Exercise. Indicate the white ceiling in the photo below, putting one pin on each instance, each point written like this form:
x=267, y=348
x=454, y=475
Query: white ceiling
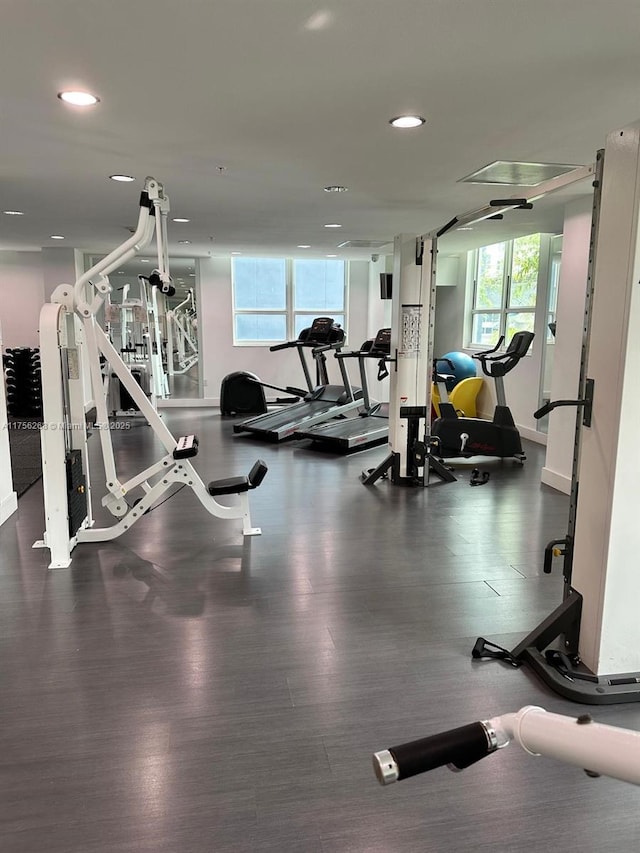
x=292, y=95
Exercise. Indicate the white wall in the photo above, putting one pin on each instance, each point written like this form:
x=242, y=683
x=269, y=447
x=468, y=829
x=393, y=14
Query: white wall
x=569, y=321
x=21, y=297
x=219, y=355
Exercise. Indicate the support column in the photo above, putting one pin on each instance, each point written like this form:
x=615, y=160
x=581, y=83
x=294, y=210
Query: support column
x=607, y=540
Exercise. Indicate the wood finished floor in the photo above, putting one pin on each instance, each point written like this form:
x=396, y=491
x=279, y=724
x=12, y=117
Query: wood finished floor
x=178, y=691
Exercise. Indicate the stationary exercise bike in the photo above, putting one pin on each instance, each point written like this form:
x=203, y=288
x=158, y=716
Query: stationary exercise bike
x=466, y=437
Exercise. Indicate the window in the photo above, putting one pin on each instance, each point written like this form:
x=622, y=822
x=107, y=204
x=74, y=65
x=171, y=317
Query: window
x=274, y=299
x=505, y=286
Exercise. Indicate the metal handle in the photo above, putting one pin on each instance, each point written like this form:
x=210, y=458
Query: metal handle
x=459, y=747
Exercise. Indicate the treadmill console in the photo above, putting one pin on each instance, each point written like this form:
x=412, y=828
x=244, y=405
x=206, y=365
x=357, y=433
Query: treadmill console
x=382, y=342
x=323, y=330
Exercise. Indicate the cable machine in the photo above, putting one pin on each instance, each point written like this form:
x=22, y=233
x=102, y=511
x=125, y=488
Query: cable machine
x=72, y=345
x=588, y=648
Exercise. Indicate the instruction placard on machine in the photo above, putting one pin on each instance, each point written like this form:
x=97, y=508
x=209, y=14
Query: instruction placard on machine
x=410, y=331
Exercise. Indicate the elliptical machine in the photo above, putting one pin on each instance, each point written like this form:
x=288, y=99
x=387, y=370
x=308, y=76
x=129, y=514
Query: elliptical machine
x=467, y=437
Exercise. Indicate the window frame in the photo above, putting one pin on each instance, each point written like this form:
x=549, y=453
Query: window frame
x=290, y=312
x=505, y=308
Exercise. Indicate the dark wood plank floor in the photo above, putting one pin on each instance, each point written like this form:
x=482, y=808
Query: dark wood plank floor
x=178, y=691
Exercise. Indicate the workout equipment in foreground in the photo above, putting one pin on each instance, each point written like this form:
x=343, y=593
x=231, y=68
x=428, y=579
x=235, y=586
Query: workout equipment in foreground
x=588, y=648
x=598, y=749
x=466, y=437
x=321, y=403
x=72, y=344
x=371, y=425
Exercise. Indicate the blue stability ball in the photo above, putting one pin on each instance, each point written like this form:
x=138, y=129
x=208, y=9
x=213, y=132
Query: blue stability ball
x=464, y=367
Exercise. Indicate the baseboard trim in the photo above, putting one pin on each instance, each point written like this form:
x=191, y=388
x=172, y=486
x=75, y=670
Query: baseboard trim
x=8, y=506
x=184, y=403
x=560, y=482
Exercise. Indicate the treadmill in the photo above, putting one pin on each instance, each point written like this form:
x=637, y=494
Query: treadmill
x=323, y=402
x=371, y=427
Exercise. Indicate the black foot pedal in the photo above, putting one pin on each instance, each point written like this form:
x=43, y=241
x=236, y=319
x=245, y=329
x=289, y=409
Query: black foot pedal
x=186, y=447
x=478, y=479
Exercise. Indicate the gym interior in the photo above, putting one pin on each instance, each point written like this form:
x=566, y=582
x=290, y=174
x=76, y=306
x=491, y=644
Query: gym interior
x=313, y=319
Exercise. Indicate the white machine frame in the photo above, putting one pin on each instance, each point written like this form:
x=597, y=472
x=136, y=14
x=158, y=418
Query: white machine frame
x=599, y=749
x=71, y=343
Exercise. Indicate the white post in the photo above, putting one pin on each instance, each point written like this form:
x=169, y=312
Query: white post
x=607, y=536
x=8, y=498
x=410, y=322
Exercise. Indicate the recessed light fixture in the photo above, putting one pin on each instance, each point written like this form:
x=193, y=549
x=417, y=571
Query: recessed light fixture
x=332, y=256
x=13, y=212
x=407, y=121
x=56, y=237
x=333, y=225
x=192, y=275
x=184, y=242
x=464, y=228
x=79, y=99
x=180, y=219
x=304, y=246
x=236, y=253
x=125, y=179
x=335, y=188
x=144, y=260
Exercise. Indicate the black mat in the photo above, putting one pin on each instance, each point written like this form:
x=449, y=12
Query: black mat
x=26, y=456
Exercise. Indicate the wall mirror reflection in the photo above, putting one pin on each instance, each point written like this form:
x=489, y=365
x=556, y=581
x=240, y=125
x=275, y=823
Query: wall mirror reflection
x=156, y=332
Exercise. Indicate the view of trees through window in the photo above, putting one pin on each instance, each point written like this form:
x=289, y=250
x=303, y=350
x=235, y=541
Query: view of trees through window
x=505, y=289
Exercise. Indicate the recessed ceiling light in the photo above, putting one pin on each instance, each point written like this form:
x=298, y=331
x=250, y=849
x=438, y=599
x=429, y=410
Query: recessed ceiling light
x=184, y=242
x=192, y=275
x=57, y=237
x=333, y=225
x=144, y=260
x=125, y=179
x=332, y=256
x=180, y=219
x=407, y=121
x=120, y=272
x=13, y=212
x=464, y=228
x=304, y=246
x=335, y=188
x=79, y=99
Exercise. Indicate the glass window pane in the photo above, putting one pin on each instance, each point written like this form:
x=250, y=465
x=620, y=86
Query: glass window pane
x=486, y=329
x=303, y=321
x=318, y=285
x=521, y=321
x=490, y=278
x=524, y=271
x=259, y=283
x=261, y=327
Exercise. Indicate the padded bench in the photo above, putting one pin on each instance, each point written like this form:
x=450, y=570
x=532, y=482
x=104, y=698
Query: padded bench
x=236, y=485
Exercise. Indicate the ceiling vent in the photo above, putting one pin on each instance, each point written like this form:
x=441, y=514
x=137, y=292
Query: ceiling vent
x=363, y=244
x=513, y=173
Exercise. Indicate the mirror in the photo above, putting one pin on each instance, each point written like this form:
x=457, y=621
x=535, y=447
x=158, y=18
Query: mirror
x=548, y=351
x=147, y=325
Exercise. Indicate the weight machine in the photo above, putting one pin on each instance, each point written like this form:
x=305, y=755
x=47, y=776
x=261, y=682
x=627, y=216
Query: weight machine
x=588, y=648
x=72, y=345
x=599, y=749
